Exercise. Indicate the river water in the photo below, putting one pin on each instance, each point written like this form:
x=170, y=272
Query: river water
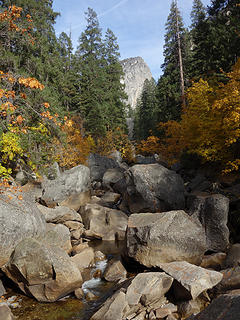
x=70, y=308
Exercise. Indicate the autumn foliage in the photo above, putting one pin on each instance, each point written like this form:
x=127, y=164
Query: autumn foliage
x=210, y=124
x=26, y=130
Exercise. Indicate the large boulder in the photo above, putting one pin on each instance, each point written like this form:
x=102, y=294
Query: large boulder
x=143, y=293
x=156, y=187
x=19, y=219
x=44, y=272
x=192, y=278
x=70, y=189
x=212, y=212
x=99, y=165
x=103, y=223
x=155, y=238
x=225, y=307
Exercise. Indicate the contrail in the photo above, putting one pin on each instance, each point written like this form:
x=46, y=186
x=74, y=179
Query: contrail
x=113, y=8
x=103, y=13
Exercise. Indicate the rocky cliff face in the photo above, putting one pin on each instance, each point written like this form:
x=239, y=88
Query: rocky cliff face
x=136, y=72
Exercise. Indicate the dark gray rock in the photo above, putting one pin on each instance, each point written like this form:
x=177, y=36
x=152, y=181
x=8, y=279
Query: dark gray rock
x=152, y=239
x=139, y=159
x=19, y=219
x=212, y=212
x=98, y=165
x=230, y=280
x=68, y=187
x=111, y=177
x=160, y=188
x=225, y=307
x=233, y=256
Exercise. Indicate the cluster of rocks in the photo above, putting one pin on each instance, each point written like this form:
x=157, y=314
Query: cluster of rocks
x=177, y=235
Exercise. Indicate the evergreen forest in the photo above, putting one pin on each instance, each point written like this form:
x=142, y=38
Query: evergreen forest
x=60, y=104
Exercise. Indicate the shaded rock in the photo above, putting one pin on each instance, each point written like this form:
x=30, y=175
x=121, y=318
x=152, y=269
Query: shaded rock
x=190, y=307
x=199, y=182
x=103, y=223
x=83, y=259
x=164, y=237
x=44, y=272
x=225, y=307
x=19, y=219
x=59, y=214
x=233, y=256
x=114, y=271
x=71, y=187
x=140, y=159
x=193, y=278
x=5, y=312
x=160, y=188
x=99, y=165
x=213, y=261
x=135, y=296
x=230, y=280
x=212, y=212
x=110, y=198
x=58, y=235
x=111, y=177
x=2, y=289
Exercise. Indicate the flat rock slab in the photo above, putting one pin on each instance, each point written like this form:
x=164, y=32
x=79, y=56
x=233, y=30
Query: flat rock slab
x=155, y=238
x=135, y=296
x=193, y=278
x=59, y=214
x=225, y=307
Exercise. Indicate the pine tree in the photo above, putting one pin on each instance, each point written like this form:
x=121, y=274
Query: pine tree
x=145, y=120
x=115, y=95
x=90, y=67
x=169, y=92
x=216, y=39
x=199, y=37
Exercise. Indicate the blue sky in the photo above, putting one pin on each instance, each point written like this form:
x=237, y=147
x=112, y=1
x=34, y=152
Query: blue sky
x=138, y=24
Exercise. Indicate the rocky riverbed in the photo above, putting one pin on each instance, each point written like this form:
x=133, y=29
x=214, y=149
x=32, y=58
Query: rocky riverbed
x=174, y=229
